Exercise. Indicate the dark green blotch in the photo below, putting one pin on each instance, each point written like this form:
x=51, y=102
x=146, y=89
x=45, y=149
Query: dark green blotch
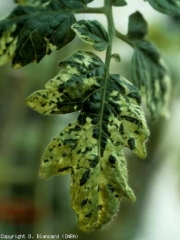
x=84, y=178
x=77, y=128
x=96, y=133
x=135, y=95
x=82, y=118
x=111, y=187
x=117, y=83
x=64, y=169
x=131, y=143
x=121, y=129
x=103, y=141
x=92, y=104
x=64, y=154
x=84, y=202
x=137, y=132
x=115, y=105
x=79, y=151
x=94, y=162
x=133, y=120
x=88, y=215
x=99, y=207
x=112, y=159
x=46, y=160
x=95, y=119
x=105, y=129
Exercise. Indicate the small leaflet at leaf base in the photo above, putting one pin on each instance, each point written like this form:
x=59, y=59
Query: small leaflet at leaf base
x=170, y=7
x=92, y=33
x=91, y=149
x=116, y=57
x=137, y=27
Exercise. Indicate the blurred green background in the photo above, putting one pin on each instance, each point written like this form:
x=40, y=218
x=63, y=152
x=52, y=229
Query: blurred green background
x=31, y=206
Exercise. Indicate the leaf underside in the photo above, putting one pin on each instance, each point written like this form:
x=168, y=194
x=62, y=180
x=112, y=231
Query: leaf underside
x=91, y=149
x=149, y=72
x=31, y=32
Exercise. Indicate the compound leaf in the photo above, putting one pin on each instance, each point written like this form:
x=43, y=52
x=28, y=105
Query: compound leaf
x=91, y=149
x=92, y=33
x=29, y=33
x=149, y=72
x=170, y=7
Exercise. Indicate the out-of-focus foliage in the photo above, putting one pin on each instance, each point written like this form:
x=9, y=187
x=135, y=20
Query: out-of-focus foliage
x=149, y=72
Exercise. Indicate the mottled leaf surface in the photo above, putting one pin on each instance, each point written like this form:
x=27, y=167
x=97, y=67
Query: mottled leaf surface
x=31, y=32
x=118, y=3
x=149, y=72
x=92, y=33
x=91, y=149
x=170, y=7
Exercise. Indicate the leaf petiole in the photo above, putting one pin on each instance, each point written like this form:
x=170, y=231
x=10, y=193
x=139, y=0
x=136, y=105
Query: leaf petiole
x=123, y=37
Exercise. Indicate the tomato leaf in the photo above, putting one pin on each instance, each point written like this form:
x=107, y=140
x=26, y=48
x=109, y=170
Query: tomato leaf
x=92, y=33
x=91, y=149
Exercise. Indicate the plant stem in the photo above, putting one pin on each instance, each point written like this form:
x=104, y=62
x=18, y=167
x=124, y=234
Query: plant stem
x=111, y=30
x=108, y=12
x=123, y=37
